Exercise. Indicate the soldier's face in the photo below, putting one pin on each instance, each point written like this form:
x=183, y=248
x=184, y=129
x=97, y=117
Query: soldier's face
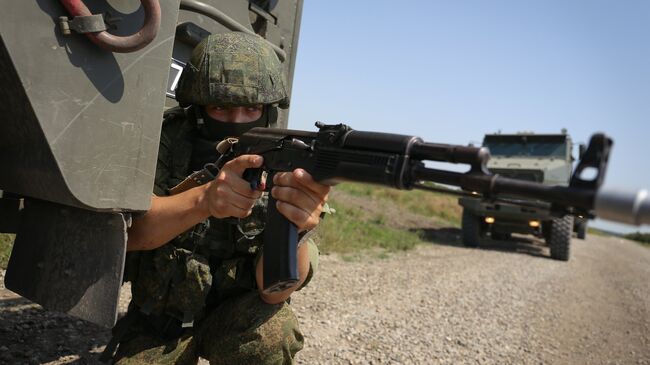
x=236, y=114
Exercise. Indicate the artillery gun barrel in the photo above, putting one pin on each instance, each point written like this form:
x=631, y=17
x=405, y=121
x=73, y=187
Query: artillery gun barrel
x=495, y=185
x=623, y=206
x=616, y=205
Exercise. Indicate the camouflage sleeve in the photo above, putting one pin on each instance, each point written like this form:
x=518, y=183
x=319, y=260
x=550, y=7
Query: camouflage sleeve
x=174, y=152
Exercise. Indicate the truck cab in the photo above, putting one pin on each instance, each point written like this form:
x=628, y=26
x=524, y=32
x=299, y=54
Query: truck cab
x=541, y=158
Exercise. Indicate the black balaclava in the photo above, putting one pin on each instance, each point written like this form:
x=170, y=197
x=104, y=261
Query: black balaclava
x=216, y=130
x=212, y=131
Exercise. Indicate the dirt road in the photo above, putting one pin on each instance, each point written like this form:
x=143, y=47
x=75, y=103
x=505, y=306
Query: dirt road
x=440, y=303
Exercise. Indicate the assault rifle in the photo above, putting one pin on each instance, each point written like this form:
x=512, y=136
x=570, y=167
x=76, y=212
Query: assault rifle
x=338, y=153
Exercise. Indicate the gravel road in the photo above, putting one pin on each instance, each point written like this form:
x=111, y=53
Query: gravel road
x=440, y=303
x=506, y=303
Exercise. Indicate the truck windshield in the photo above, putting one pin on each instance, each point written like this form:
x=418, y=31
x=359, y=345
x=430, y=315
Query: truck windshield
x=525, y=146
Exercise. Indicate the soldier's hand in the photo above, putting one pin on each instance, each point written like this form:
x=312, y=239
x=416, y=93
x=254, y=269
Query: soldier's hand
x=229, y=195
x=299, y=198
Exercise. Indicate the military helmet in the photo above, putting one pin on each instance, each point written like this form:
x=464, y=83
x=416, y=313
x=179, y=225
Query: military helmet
x=233, y=69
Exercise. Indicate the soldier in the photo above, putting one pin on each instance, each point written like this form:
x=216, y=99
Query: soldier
x=194, y=259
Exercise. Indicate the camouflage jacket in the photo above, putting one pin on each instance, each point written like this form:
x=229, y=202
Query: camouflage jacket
x=203, y=266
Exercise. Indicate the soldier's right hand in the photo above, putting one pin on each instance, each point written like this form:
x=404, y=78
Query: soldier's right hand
x=229, y=195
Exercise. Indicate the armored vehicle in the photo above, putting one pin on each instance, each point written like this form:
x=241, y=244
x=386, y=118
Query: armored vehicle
x=84, y=87
x=542, y=158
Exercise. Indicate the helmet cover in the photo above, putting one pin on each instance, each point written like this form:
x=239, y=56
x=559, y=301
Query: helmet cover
x=233, y=69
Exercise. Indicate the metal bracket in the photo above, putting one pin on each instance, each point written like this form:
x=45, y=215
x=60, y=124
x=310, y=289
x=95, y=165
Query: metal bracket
x=595, y=158
x=82, y=24
x=111, y=20
x=190, y=33
x=263, y=13
x=69, y=259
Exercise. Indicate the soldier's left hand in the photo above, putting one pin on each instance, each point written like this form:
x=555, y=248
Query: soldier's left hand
x=299, y=198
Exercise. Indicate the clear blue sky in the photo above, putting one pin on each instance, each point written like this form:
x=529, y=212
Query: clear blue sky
x=450, y=71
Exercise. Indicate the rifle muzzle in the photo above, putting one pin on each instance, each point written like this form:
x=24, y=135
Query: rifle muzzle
x=623, y=206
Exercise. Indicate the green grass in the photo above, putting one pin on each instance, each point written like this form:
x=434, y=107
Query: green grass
x=355, y=233
x=425, y=203
x=350, y=231
x=6, y=242
x=643, y=238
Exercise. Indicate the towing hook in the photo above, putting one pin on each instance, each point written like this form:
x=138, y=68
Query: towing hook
x=94, y=28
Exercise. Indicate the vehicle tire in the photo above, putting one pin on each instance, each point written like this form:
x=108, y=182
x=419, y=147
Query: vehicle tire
x=471, y=226
x=560, y=237
x=581, y=232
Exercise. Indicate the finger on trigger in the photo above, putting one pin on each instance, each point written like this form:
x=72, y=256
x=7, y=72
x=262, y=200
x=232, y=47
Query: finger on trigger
x=243, y=162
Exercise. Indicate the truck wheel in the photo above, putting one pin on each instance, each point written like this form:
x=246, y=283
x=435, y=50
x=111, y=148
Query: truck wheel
x=471, y=226
x=582, y=230
x=560, y=237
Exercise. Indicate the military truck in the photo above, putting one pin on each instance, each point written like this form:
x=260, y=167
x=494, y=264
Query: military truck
x=542, y=158
x=84, y=87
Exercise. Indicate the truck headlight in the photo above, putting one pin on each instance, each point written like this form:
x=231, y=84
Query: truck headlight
x=489, y=220
x=533, y=224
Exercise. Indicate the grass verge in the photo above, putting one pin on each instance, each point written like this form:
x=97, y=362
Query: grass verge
x=354, y=232
x=350, y=231
x=642, y=238
x=597, y=232
x=425, y=203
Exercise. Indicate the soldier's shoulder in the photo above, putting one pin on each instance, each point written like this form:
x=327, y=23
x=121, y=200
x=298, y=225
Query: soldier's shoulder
x=177, y=123
x=174, y=116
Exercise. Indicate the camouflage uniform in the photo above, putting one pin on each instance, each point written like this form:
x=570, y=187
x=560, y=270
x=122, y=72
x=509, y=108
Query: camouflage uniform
x=197, y=295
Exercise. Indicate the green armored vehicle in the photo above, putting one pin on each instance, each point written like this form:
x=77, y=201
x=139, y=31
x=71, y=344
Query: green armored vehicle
x=543, y=158
x=84, y=87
